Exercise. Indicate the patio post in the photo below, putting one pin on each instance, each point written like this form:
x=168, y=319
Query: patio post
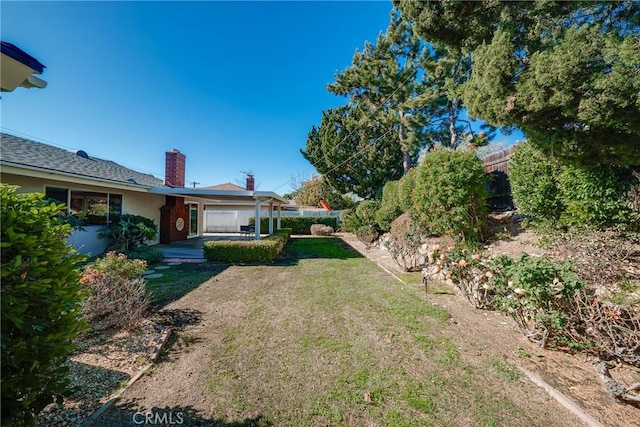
x=257, y=236
x=271, y=216
x=279, y=217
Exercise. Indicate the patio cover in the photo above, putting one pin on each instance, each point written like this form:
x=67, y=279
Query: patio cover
x=231, y=196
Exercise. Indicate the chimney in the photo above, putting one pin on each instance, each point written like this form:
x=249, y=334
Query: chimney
x=174, y=168
x=250, y=183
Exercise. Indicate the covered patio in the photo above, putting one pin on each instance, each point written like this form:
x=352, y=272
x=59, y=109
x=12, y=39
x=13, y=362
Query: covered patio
x=193, y=248
x=258, y=199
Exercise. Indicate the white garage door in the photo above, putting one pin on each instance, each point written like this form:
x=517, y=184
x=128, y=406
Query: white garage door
x=221, y=221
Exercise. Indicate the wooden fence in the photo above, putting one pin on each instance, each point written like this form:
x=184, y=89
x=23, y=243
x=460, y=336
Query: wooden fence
x=497, y=164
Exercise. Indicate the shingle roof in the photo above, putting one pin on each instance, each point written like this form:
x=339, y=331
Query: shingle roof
x=225, y=186
x=20, y=152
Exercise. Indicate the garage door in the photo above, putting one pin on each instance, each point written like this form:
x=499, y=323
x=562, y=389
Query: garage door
x=221, y=221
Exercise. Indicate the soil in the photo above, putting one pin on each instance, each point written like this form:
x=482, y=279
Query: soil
x=179, y=385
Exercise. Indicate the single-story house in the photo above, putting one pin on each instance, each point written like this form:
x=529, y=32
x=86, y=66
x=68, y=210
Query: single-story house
x=18, y=69
x=101, y=189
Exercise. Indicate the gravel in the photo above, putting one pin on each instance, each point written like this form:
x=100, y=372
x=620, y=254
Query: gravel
x=103, y=362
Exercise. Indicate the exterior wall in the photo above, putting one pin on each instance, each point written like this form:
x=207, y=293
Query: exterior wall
x=229, y=218
x=133, y=202
x=86, y=241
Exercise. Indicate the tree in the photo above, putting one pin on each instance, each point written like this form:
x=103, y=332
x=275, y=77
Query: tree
x=566, y=73
x=314, y=190
x=350, y=157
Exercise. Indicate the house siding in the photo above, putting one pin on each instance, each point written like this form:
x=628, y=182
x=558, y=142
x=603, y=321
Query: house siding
x=133, y=202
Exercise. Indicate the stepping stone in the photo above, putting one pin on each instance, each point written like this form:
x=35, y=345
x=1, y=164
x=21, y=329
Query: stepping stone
x=153, y=276
x=148, y=272
x=174, y=263
x=162, y=267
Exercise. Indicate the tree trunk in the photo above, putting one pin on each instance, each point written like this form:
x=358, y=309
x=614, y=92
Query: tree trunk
x=453, y=107
x=402, y=134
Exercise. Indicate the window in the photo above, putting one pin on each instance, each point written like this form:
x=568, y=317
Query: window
x=94, y=208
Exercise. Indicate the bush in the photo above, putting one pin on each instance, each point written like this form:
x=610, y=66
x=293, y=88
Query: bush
x=595, y=196
x=538, y=293
x=406, y=190
x=367, y=234
x=366, y=212
x=390, y=207
x=118, y=296
x=298, y=224
x=237, y=252
x=129, y=232
x=321, y=230
x=265, y=251
x=550, y=193
x=350, y=222
x=40, y=304
x=450, y=196
x=145, y=253
x=534, y=186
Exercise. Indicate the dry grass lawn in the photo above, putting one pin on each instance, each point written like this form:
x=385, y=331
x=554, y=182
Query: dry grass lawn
x=326, y=337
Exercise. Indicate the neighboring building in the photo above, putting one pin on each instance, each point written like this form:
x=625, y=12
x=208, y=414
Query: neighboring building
x=101, y=189
x=18, y=69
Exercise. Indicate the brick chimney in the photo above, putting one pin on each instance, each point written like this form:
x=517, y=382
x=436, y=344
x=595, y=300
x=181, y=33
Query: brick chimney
x=250, y=183
x=174, y=170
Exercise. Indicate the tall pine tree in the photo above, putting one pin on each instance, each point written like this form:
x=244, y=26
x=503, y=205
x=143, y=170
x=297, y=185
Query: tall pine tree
x=566, y=73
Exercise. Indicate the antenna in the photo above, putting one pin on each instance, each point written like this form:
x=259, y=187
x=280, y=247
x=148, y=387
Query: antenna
x=194, y=184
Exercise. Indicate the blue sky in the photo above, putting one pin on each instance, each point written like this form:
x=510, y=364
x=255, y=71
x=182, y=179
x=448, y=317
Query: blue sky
x=235, y=86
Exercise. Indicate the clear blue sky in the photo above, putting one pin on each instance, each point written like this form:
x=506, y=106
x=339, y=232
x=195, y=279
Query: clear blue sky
x=235, y=86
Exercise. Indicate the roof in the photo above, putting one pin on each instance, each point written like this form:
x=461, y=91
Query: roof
x=13, y=51
x=24, y=153
x=225, y=186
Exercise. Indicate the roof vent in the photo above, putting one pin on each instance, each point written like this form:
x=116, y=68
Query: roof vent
x=132, y=180
x=82, y=154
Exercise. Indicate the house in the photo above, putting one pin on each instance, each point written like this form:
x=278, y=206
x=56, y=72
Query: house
x=101, y=189
x=18, y=68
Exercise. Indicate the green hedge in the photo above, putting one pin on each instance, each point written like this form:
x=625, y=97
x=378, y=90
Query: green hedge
x=299, y=224
x=262, y=251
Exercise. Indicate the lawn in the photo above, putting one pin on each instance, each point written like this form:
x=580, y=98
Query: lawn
x=327, y=338
x=179, y=280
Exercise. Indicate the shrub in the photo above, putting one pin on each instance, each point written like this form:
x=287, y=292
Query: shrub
x=298, y=224
x=406, y=189
x=390, y=207
x=366, y=212
x=538, y=293
x=129, y=232
x=145, y=253
x=238, y=252
x=534, y=186
x=595, y=196
x=40, y=304
x=321, y=230
x=118, y=295
x=266, y=250
x=450, y=196
x=367, y=234
x=551, y=193
x=350, y=222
